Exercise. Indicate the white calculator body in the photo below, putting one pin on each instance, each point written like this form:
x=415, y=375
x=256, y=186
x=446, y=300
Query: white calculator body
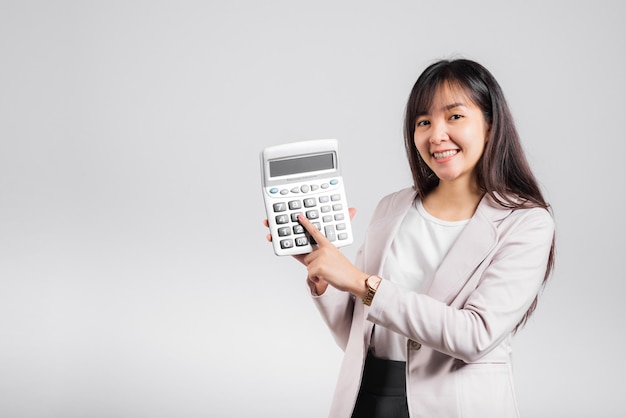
x=304, y=177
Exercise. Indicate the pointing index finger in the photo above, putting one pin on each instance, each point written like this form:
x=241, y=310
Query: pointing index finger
x=315, y=233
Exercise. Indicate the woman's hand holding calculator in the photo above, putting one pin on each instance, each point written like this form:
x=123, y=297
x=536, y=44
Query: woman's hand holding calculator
x=326, y=264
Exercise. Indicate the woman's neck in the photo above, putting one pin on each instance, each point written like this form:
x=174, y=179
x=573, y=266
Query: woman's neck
x=452, y=202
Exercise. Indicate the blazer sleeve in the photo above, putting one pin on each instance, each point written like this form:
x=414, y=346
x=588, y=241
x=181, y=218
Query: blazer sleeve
x=504, y=291
x=336, y=308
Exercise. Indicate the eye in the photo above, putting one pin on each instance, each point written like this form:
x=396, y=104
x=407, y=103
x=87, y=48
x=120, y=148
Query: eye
x=422, y=122
x=456, y=117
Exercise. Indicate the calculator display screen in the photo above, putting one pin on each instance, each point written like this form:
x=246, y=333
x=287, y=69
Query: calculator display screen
x=302, y=164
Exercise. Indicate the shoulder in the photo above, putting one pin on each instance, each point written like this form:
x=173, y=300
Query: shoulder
x=521, y=218
x=391, y=208
x=400, y=198
x=535, y=218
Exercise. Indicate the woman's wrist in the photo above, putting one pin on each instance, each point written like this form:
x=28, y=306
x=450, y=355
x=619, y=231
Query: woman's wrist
x=360, y=290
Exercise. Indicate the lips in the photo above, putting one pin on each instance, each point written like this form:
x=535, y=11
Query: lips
x=445, y=154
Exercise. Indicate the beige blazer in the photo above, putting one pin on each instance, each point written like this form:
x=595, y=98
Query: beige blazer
x=458, y=333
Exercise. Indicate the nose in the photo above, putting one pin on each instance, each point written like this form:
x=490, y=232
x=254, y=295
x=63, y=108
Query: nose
x=438, y=133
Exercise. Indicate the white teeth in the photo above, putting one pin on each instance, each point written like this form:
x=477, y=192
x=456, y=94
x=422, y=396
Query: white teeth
x=444, y=154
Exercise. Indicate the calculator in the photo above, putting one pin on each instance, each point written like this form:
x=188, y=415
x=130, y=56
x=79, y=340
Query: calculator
x=304, y=177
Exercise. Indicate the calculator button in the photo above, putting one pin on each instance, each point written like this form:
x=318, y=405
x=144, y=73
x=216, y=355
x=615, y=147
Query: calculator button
x=327, y=218
x=301, y=241
x=280, y=207
x=343, y=235
x=323, y=199
x=298, y=229
x=295, y=190
x=314, y=187
x=286, y=243
x=334, y=181
x=282, y=219
x=295, y=204
x=337, y=207
x=329, y=231
x=341, y=227
x=304, y=188
x=325, y=209
x=294, y=216
x=273, y=190
x=284, y=231
x=339, y=217
x=310, y=202
x=325, y=186
x=284, y=191
x=312, y=214
x=335, y=197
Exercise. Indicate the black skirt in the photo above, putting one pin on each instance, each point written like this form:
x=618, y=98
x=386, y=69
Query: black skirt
x=383, y=390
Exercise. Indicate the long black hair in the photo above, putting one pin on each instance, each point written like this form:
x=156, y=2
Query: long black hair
x=502, y=171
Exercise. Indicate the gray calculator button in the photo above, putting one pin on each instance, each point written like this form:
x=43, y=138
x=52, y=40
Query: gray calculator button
x=298, y=229
x=312, y=214
x=335, y=197
x=286, y=243
x=342, y=235
x=337, y=207
x=327, y=218
x=329, y=231
x=310, y=202
x=323, y=199
x=280, y=207
x=325, y=186
x=284, y=231
x=301, y=241
x=294, y=216
x=314, y=187
x=339, y=217
x=341, y=227
x=282, y=219
x=304, y=188
x=325, y=209
x=295, y=204
x=284, y=191
x=295, y=190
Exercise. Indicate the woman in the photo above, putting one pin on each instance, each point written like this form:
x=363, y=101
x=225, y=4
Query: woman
x=449, y=269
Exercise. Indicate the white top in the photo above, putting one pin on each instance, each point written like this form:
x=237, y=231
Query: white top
x=421, y=243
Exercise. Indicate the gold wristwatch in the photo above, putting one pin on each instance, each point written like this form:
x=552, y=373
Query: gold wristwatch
x=371, y=284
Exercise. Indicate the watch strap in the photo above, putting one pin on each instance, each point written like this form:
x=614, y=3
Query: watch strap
x=371, y=291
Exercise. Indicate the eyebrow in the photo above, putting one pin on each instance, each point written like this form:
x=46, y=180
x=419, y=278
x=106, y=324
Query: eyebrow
x=453, y=105
x=444, y=108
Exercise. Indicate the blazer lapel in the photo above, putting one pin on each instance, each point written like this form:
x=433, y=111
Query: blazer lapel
x=469, y=250
x=382, y=231
x=380, y=234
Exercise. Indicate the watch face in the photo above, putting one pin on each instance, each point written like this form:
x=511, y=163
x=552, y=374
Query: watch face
x=373, y=282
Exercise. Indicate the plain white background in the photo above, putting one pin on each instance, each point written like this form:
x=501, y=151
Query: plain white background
x=135, y=280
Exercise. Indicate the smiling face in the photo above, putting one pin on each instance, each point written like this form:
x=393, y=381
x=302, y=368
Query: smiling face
x=450, y=137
